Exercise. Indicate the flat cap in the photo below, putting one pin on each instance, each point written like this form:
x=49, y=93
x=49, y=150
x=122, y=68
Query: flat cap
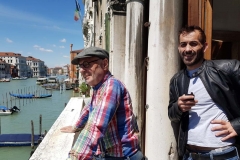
x=91, y=52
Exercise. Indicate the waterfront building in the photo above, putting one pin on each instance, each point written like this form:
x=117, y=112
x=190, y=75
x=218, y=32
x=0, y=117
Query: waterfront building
x=37, y=66
x=24, y=66
x=74, y=75
x=14, y=72
x=5, y=69
x=16, y=59
x=49, y=71
x=57, y=71
x=66, y=69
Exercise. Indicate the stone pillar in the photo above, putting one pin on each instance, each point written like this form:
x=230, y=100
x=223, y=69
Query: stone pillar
x=134, y=66
x=165, y=17
x=117, y=40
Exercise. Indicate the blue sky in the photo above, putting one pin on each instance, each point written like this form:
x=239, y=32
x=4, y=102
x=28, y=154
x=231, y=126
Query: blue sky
x=43, y=29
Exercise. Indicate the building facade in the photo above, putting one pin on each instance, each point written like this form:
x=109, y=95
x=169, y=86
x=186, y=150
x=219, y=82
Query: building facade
x=5, y=69
x=74, y=75
x=17, y=60
x=38, y=68
x=142, y=39
x=66, y=70
x=24, y=66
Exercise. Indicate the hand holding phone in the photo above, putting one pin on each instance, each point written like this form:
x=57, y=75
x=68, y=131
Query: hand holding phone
x=191, y=94
x=186, y=102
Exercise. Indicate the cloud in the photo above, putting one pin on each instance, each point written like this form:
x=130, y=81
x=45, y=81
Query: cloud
x=36, y=46
x=54, y=45
x=9, y=40
x=42, y=49
x=66, y=56
x=63, y=40
x=45, y=50
x=61, y=47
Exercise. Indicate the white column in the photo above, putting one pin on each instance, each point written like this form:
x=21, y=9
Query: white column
x=117, y=46
x=165, y=17
x=134, y=66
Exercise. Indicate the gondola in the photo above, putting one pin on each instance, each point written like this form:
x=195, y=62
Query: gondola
x=27, y=96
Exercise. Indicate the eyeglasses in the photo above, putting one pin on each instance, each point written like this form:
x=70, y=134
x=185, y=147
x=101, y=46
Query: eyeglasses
x=86, y=64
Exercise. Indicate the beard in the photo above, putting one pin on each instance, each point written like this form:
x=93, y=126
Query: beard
x=192, y=58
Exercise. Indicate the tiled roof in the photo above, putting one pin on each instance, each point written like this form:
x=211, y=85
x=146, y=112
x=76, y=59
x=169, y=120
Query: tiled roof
x=30, y=58
x=9, y=54
x=57, y=68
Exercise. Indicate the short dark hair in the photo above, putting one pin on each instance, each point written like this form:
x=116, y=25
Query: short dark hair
x=189, y=29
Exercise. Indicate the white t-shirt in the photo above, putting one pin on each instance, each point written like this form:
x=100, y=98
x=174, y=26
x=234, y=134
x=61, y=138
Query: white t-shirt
x=200, y=117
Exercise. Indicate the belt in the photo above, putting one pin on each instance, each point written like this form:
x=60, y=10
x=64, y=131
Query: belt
x=197, y=148
x=216, y=156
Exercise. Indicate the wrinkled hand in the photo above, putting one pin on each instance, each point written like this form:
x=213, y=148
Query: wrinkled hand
x=185, y=102
x=224, y=128
x=68, y=129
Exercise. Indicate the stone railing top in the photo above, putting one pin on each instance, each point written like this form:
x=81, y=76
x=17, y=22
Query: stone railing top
x=56, y=145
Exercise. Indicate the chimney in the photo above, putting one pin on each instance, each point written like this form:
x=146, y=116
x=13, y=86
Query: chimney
x=71, y=47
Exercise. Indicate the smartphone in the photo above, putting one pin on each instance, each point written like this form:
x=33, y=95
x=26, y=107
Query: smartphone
x=191, y=94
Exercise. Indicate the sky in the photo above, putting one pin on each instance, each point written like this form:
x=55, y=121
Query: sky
x=43, y=29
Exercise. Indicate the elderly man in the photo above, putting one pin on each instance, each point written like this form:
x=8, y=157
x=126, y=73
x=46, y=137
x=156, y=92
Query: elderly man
x=108, y=125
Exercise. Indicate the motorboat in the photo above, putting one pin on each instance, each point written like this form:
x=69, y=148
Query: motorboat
x=52, y=79
x=42, y=80
x=20, y=78
x=4, y=111
x=5, y=80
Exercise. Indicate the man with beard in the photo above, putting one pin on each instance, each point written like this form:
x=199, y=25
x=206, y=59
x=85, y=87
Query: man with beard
x=108, y=125
x=204, y=100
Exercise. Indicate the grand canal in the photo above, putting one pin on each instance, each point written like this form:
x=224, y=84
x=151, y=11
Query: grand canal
x=31, y=109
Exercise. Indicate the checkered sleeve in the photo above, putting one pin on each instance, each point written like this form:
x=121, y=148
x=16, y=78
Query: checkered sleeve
x=82, y=120
x=104, y=107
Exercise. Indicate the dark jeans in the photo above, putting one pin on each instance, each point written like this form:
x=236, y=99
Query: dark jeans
x=227, y=154
x=137, y=156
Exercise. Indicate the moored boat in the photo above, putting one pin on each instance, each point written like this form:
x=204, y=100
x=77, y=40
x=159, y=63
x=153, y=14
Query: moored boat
x=43, y=96
x=50, y=86
x=22, y=95
x=42, y=80
x=20, y=78
x=52, y=79
x=5, y=80
x=28, y=96
x=4, y=111
x=8, y=140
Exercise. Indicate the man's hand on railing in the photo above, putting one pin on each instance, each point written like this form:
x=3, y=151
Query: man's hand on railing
x=68, y=129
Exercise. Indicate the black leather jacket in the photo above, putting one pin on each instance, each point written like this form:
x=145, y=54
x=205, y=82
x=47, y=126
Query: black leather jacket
x=221, y=79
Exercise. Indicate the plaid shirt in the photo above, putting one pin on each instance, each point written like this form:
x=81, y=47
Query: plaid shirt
x=108, y=118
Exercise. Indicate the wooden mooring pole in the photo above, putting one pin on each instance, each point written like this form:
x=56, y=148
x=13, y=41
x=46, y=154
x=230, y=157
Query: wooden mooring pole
x=32, y=136
x=6, y=101
x=40, y=125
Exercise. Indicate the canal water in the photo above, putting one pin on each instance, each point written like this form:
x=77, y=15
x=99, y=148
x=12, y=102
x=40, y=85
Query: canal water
x=31, y=109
